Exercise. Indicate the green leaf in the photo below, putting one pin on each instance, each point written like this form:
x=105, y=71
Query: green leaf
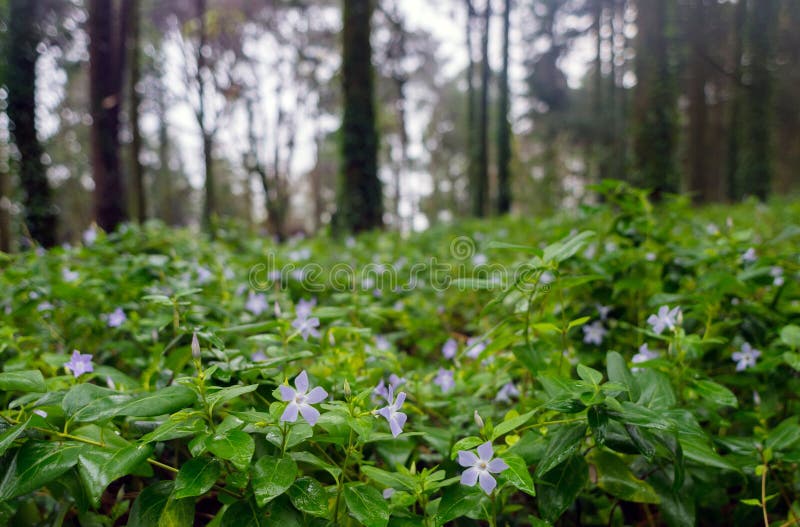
x=98, y=467
x=560, y=487
x=366, y=505
x=784, y=436
x=314, y=461
x=196, y=477
x=234, y=445
x=517, y=474
x=590, y=375
x=243, y=514
x=790, y=335
x=456, y=502
x=272, y=476
x=22, y=381
x=226, y=394
x=10, y=434
x=614, y=477
x=309, y=496
x=174, y=430
x=36, y=464
x=567, y=247
x=164, y=401
x=578, y=322
x=149, y=504
x=634, y=414
x=90, y=403
x=510, y=424
x=716, y=393
x=618, y=372
x=467, y=443
x=394, y=480
x=177, y=513
x=699, y=450
x=563, y=443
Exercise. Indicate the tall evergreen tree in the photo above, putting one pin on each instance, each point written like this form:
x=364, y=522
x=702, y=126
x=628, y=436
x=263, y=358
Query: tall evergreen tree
x=132, y=13
x=655, y=112
x=700, y=183
x=503, y=125
x=23, y=37
x=106, y=65
x=359, y=197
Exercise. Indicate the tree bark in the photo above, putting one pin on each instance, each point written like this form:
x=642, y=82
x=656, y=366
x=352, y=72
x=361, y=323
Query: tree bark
x=503, y=125
x=210, y=201
x=699, y=181
x=472, y=163
x=133, y=15
x=735, y=188
x=22, y=41
x=359, y=195
x=106, y=51
x=480, y=189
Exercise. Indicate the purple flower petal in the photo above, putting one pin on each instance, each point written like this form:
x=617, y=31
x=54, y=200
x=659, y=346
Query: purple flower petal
x=467, y=458
x=287, y=392
x=385, y=412
x=485, y=451
x=497, y=465
x=316, y=395
x=470, y=477
x=290, y=414
x=401, y=397
x=301, y=382
x=395, y=426
x=309, y=413
x=488, y=483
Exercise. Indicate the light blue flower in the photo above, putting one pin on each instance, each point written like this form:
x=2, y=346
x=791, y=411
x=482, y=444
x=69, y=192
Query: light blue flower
x=594, y=333
x=746, y=358
x=300, y=400
x=665, y=318
x=481, y=467
x=392, y=413
x=450, y=348
x=117, y=318
x=79, y=363
x=445, y=380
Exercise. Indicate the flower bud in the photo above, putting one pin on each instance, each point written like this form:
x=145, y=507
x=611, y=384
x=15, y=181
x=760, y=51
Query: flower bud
x=347, y=391
x=478, y=420
x=195, y=346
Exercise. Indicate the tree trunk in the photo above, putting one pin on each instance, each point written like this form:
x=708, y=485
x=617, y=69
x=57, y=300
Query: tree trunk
x=133, y=15
x=5, y=199
x=655, y=113
x=480, y=189
x=472, y=162
x=755, y=160
x=210, y=201
x=106, y=53
x=359, y=197
x=503, y=126
x=699, y=181
x=22, y=40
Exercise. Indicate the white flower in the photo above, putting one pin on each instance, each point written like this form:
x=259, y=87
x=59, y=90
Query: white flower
x=594, y=333
x=666, y=318
x=777, y=274
x=746, y=358
x=300, y=400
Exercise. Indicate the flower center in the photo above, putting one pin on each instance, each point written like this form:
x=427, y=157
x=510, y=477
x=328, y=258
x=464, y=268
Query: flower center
x=482, y=465
x=299, y=398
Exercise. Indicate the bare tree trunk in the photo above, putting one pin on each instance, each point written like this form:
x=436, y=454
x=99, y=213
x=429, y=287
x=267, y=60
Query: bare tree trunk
x=503, y=125
x=210, y=201
x=106, y=50
x=133, y=14
x=480, y=190
x=472, y=164
x=5, y=201
x=699, y=183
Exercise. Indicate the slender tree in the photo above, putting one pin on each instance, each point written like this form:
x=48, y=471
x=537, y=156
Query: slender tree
x=735, y=187
x=106, y=65
x=22, y=40
x=700, y=184
x=755, y=161
x=480, y=183
x=503, y=125
x=133, y=15
x=655, y=109
x=210, y=201
x=472, y=104
x=359, y=197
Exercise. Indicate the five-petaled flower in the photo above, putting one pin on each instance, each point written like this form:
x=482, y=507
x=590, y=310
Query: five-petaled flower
x=507, y=392
x=392, y=412
x=117, y=318
x=304, y=307
x=665, y=318
x=450, y=348
x=481, y=467
x=749, y=256
x=594, y=333
x=306, y=326
x=603, y=311
x=444, y=380
x=395, y=381
x=79, y=363
x=256, y=303
x=777, y=274
x=475, y=347
x=300, y=400
x=746, y=358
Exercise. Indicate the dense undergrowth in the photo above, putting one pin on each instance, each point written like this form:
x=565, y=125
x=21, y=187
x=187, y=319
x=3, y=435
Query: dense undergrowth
x=507, y=372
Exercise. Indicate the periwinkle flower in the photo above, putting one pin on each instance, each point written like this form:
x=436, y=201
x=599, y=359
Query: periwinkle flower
x=388, y=493
x=644, y=354
x=481, y=467
x=475, y=347
x=89, y=236
x=777, y=274
x=195, y=346
x=256, y=303
x=650, y=257
x=40, y=413
x=203, y=275
x=45, y=306
x=304, y=307
x=382, y=343
x=594, y=333
x=117, y=318
x=749, y=256
x=392, y=412
x=395, y=381
x=79, y=363
x=746, y=358
x=507, y=392
x=603, y=311
x=445, y=380
x=450, y=348
x=306, y=326
x=665, y=318
x=258, y=356
x=300, y=400
x=68, y=275
x=479, y=259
